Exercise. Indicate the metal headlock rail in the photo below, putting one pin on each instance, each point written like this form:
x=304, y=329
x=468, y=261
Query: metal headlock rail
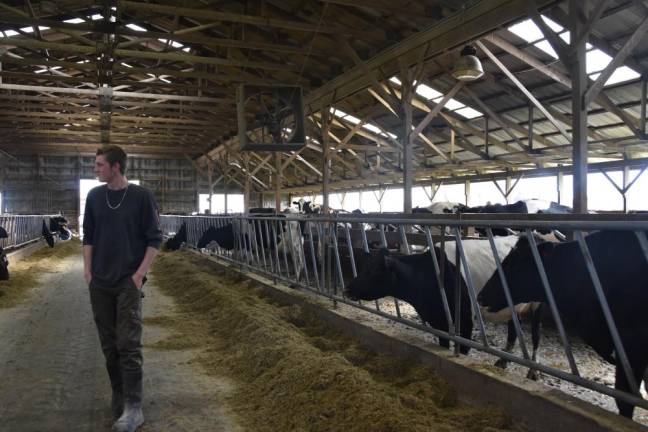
x=322, y=264
x=22, y=229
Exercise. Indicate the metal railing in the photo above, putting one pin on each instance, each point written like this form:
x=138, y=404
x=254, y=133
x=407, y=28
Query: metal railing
x=328, y=247
x=22, y=229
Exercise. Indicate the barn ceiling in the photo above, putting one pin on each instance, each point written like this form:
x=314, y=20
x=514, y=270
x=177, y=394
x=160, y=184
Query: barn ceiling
x=161, y=78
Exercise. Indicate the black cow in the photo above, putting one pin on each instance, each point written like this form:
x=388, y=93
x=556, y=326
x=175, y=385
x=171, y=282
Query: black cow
x=412, y=279
x=49, y=238
x=621, y=266
x=4, y=262
x=175, y=242
x=60, y=224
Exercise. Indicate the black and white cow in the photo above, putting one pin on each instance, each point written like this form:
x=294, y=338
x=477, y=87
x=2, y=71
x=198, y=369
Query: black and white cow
x=621, y=267
x=441, y=207
x=412, y=278
x=59, y=224
x=175, y=242
x=253, y=234
x=4, y=261
x=307, y=207
x=522, y=206
x=47, y=234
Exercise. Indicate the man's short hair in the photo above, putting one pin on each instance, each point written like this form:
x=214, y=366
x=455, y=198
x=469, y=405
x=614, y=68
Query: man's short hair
x=113, y=155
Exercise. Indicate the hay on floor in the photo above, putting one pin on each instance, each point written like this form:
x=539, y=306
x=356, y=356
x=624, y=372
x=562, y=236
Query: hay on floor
x=296, y=374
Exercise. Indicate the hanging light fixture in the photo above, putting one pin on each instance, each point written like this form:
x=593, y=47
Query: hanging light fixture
x=468, y=66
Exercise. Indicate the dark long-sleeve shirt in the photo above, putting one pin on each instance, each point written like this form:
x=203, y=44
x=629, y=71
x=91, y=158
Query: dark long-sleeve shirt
x=119, y=237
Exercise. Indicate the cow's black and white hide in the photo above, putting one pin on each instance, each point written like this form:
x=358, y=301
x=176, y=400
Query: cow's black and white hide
x=441, y=207
x=175, y=242
x=412, y=278
x=252, y=234
x=59, y=224
x=307, y=207
x=528, y=206
x=621, y=267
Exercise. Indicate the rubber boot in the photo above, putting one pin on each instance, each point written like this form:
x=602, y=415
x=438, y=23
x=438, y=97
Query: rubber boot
x=132, y=417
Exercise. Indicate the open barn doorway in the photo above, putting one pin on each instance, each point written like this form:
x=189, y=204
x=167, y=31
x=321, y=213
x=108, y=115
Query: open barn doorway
x=84, y=187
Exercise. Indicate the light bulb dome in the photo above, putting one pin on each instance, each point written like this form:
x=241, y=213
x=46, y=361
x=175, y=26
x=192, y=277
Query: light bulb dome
x=468, y=67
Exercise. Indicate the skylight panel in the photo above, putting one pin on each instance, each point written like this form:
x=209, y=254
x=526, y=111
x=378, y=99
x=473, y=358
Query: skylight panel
x=96, y=17
x=622, y=74
x=596, y=60
x=427, y=92
x=372, y=128
x=135, y=27
x=338, y=112
x=186, y=49
x=546, y=47
x=352, y=119
x=73, y=21
x=391, y=135
x=552, y=24
x=527, y=30
x=395, y=80
x=452, y=104
x=566, y=37
x=10, y=33
x=469, y=113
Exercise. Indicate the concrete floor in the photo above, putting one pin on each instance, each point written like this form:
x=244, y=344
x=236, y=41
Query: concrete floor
x=52, y=376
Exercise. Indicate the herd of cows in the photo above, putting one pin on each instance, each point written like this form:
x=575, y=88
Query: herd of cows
x=428, y=281
x=56, y=225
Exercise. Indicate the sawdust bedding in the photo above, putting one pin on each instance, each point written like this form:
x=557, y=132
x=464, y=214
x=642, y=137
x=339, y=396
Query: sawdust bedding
x=24, y=274
x=293, y=372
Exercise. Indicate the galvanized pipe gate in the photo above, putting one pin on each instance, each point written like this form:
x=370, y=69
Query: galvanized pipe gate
x=22, y=229
x=274, y=246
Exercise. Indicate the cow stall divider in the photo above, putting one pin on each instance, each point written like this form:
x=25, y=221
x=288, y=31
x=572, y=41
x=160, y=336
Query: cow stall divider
x=22, y=229
x=323, y=253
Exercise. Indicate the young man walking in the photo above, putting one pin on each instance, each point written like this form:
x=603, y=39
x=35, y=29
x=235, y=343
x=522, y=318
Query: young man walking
x=121, y=237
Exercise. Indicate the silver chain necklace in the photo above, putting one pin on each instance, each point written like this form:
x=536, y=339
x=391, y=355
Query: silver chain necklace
x=120, y=201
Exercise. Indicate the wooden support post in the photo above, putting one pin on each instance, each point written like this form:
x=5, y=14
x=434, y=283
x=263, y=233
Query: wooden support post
x=210, y=173
x=467, y=191
x=486, y=135
x=559, y=186
x=509, y=188
x=626, y=186
x=642, y=120
x=326, y=153
x=406, y=107
x=530, y=126
x=278, y=175
x=246, y=196
x=579, y=109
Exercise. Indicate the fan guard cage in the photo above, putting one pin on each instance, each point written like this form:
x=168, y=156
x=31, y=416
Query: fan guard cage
x=271, y=107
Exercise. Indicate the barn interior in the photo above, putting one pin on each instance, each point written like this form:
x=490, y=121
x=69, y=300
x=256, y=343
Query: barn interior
x=224, y=106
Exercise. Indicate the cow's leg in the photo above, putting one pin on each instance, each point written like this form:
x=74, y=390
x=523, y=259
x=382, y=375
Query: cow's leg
x=536, y=316
x=637, y=354
x=511, y=337
x=466, y=325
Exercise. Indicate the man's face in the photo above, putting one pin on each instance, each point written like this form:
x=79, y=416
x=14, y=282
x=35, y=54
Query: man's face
x=103, y=170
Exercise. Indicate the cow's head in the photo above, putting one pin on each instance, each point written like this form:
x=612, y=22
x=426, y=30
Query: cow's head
x=224, y=236
x=376, y=279
x=522, y=277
